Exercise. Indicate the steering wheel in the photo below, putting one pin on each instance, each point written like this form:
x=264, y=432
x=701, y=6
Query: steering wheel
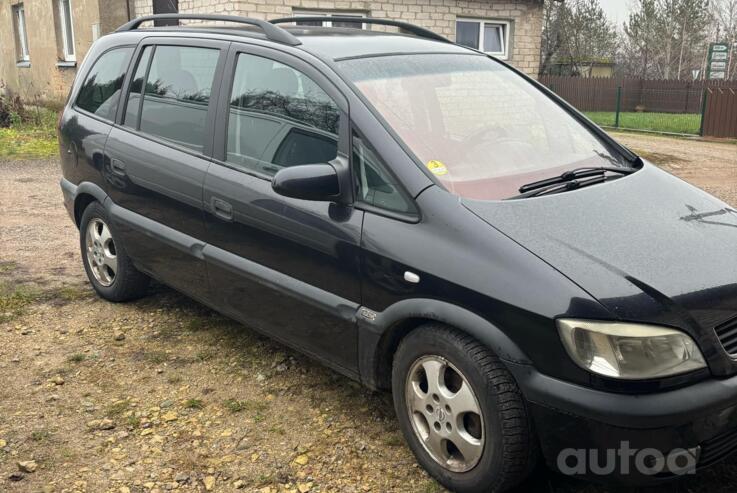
x=478, y=137
x=488, y=138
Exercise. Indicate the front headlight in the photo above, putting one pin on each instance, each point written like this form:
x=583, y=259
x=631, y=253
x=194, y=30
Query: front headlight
x=629, y=351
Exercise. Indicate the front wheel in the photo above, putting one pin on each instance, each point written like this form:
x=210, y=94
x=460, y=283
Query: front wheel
x=461, y=411
x=108, y=267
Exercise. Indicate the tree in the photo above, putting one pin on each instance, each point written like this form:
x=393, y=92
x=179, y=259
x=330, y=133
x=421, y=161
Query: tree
x=640, y=34
x=552, y=34
x=577, y=34
x=665, y=38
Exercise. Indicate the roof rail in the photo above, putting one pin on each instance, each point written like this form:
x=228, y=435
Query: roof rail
x=416, y=30
x=272, y=32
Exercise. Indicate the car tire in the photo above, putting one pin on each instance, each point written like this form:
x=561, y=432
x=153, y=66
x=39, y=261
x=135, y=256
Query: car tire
x=108, y=267
x=498, y=439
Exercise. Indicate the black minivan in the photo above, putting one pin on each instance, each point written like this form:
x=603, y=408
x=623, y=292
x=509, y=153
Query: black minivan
x=423, y=218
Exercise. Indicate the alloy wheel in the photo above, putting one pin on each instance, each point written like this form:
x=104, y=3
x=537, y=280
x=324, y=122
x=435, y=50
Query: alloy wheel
x=445, y=413
x=101, y=253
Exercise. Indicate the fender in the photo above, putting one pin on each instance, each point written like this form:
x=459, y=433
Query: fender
x=73, y=192
x=376, y=331
x=91, y=189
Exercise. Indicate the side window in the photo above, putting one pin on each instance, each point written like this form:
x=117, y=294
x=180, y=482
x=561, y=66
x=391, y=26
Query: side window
x=133, y=108
x=176, y=94
x=374, y=184
x=100, y=91
x=278, y=117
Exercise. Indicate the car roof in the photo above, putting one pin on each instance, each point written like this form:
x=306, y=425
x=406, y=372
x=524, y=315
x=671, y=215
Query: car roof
x=334, y=43
x=340, y=43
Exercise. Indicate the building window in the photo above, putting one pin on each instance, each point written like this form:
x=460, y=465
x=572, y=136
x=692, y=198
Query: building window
x=21, y=39
x=328, y=23
x=166, y=7
x=488, y=36
x=67, y=30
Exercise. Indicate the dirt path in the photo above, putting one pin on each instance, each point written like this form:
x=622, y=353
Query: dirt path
x=708, y=165
x=163, y=394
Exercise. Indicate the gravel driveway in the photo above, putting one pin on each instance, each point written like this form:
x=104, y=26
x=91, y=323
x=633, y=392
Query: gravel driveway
x=163, y=394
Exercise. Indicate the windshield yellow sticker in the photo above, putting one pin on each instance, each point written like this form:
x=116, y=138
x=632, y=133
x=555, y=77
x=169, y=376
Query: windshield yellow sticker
x=437, y=168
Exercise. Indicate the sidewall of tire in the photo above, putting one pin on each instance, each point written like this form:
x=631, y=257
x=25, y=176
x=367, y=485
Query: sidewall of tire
x=488, y=474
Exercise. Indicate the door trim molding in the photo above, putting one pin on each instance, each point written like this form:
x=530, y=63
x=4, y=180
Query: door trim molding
x=331, y=303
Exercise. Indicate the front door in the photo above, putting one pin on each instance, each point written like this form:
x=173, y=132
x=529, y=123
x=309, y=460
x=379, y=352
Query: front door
x=157, y=159
x=287, y=267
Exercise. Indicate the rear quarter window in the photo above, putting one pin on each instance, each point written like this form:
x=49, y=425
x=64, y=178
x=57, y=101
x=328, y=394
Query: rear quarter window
x=100, y=91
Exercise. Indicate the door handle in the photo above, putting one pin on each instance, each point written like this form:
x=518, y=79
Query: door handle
x=222, y=209
x=117, y=166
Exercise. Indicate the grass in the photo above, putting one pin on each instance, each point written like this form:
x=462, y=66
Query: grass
x=193, y=404
x=173, y=379
x=15, y=299
x=431, y=486
x=8, y=266
x=40, y=435
x=236, y=406
x=77, y=358
x=205, y=355
x=278, y=430
x=117, y=409
x=31, y=139
x=392, y=440
x=133, y=421
x=688, y=123
x=156, y=357
x=73, y=293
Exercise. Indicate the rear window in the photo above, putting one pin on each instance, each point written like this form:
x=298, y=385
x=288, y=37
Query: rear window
x=100, y=91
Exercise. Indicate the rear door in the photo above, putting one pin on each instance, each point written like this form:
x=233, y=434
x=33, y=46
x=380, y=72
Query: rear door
x=285, y=266
x=157, y=157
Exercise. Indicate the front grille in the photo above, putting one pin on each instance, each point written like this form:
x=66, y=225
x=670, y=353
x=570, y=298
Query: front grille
x=727, y=334
x=718, y=448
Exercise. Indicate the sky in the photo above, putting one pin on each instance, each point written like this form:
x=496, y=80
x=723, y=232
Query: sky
x=617, y=10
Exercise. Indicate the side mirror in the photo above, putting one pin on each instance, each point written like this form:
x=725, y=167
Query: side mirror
x=308, y=182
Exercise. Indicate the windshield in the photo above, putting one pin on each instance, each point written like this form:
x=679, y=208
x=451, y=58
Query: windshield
x=481, y=129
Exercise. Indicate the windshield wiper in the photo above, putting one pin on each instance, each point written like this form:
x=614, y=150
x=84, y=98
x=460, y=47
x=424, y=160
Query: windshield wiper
x=561, y=187
x=570, y=180
x=574, y=175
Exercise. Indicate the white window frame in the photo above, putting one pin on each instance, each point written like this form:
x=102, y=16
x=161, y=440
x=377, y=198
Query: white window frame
x=19, y=18
x=67, y=38
x=507, y=27
x=323, y=13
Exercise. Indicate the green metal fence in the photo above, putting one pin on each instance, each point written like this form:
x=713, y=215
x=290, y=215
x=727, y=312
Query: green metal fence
x=651, y=117
x=657, y=106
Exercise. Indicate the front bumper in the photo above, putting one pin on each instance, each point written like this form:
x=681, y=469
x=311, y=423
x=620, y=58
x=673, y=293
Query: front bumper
x=700, y=420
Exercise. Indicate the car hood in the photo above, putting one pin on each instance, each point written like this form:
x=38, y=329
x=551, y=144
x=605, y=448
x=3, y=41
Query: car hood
x=648, y=246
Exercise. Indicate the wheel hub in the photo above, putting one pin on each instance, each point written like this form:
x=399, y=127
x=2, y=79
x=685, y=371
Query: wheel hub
x=445, y=413
x=102, y=256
